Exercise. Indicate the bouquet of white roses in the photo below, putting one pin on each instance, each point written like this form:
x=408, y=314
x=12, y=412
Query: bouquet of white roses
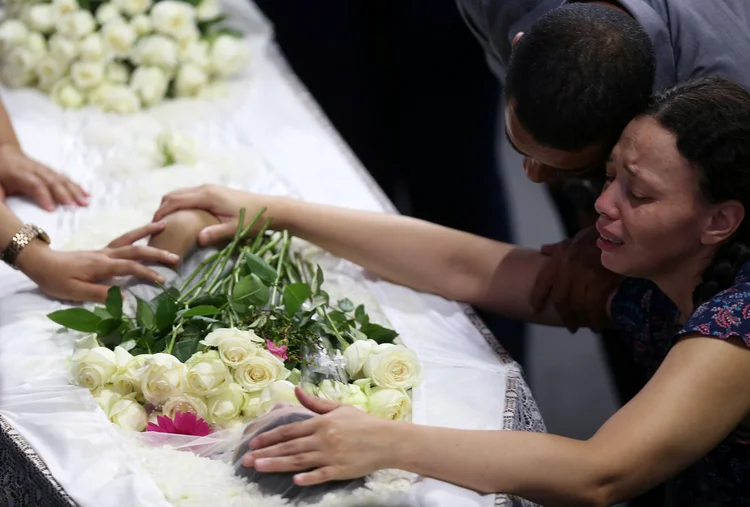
x=225, y=349
x=118, y=55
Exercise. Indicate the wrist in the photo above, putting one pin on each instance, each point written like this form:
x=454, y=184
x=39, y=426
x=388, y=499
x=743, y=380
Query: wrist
x=400, y=445
x=32, y=259
x=281, y=211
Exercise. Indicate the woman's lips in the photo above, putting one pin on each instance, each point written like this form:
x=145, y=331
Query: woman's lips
x=607, y=240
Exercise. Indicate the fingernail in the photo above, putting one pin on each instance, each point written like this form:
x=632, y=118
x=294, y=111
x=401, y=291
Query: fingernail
x=247, y=460
x=260, y=464
x=160, y=279
x=173, y=257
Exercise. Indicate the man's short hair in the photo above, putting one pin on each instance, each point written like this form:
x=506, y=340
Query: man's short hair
x=282, y=483
x=579, y=75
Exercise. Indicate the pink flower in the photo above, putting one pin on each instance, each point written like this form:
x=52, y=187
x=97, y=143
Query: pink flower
x=277, y=350
x=183, y=424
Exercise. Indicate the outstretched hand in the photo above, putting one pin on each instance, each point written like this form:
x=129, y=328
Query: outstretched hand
x=342, y=443
x=21, y=175
x=575, y=281
x=74, y=276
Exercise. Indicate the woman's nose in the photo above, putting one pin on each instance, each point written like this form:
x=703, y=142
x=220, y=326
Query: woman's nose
x=605, y=205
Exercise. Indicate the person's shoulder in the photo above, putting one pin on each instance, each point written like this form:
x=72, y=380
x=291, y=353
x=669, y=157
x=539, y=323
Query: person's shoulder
x=639, y=303
x=727, y=314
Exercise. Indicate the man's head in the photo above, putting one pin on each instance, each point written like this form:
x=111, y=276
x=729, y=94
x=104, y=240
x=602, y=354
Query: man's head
x=574, y=81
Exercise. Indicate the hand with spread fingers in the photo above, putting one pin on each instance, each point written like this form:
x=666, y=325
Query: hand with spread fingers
x=21, y=175
x=576, y=283
x=75, y=276
x=342, y=443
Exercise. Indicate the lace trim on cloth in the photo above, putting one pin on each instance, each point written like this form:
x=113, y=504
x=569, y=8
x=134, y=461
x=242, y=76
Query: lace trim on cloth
x=26, y=481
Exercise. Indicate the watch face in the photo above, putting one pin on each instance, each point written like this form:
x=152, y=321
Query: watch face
x=43, y=235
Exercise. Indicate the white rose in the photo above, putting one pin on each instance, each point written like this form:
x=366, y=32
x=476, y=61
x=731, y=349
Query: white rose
x=119, y=37
x=86, y=343
x=116, y=73
x=37, y=44
x=40, y=17
x=105, y=397
x=87, y=75
x=207, y=375
x=132, y=7
x=62, y=7
x=234, y=345
x=162, y=378
x=75, y=25
x=197, y=53
x=12, y=33
x=94, y=367
x=355, y=356
x=141, y=24
x=259, y=371
x=156, y=50
x=126, y=379
x=391, y=404
x=228, y=55
x=128, y=414
x=119, y=99
x=177, y=147
x=353, y=395
x=62, y=49
x=393, y=366
x=150, y=83
x=174, y=18
x=97, y=96
x=185, y=403
x=190, y=81
x=251, y=405
x=65, y=94
x=107, y=12
x=330, y=390
x=92, y=48
x=208, y=10
x=226, y=405
x=281, y=391
x=20, y=66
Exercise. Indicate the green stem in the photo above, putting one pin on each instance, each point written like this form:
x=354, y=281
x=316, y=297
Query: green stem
x=261, y=236
x=322, y=313
x=268, y=246
x=198, y=270
x=176, y=329
x=279, y=268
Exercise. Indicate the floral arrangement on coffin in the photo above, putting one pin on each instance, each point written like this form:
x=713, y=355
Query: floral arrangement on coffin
x=118, y=55
x=225, y=349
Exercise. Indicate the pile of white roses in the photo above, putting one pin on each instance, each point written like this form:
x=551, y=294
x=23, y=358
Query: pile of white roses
x=118, y=55
x=235, y=380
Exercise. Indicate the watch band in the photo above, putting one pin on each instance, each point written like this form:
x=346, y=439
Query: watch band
x=23, y=237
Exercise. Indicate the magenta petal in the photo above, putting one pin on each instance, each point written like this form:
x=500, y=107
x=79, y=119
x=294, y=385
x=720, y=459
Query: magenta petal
x=276, y=350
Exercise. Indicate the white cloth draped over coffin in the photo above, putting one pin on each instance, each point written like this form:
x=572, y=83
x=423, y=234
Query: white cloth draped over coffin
x=266, y=125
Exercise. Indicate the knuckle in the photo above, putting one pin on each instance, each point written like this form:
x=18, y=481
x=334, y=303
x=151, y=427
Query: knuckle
x=299, y=460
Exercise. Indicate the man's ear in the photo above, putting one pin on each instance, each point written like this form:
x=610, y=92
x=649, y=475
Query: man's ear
x=516, y=39
x=723, y=222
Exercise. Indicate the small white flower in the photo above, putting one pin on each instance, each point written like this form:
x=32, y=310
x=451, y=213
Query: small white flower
x=156, y=50
x=64, y=50
x=128, y=414
x=19, y=69
x=40, y=17
x=208, y=10
x=281, y=391
x=174, y=18
x=226, y=405
x=132, y=7
x=37, y=44
x=87, y=75
x=228, y=55
x=190, y=81
x=65, y=94
x=355, y=356
x=75, y=25
x=107, y=12
x=62, y=7
x=92, y=48
x=259, y=371
x=119, y=36
x=185, y=404
x=393, y=366
x=150, y=83
x=93, y=368
x=197, y=53
x=48, y=72
x=207, y=375
x=117, y=73
x=234, y=345
x=391, y=404
x=12, y=34
x=142, y=24
x=163, y=374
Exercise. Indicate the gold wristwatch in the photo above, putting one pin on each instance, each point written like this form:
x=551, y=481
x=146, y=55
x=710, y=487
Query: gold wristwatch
x=22, y=238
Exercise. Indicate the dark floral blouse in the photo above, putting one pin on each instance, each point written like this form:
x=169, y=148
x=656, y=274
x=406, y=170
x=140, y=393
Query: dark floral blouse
x=647, y=320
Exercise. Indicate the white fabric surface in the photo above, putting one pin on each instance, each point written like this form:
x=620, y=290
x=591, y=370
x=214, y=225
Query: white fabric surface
x=263, y=115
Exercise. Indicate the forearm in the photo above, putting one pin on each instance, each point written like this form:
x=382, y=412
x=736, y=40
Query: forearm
x=546, y=469
x=7, y=134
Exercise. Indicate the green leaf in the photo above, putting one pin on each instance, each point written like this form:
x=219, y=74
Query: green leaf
x=337, y=316
x=345, y=305
x=250, y=289
x=356, y=334
x=261, y=268
x=108, y=326
x=144, y=314
x=77, y=319
x=114, y=302
x=360, y=316
x=206, y=26
x=185, y=348
x=294, y=296
x=165, y=314
x=317, y=281
x=259, y=322
x=199, y=311
x=138, y=351
x=133, y=334
x=102, y=312
x=378, y=333
x=217, y=301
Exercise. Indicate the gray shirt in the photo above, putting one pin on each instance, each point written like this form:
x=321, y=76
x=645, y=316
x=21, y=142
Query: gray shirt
x=691, y=37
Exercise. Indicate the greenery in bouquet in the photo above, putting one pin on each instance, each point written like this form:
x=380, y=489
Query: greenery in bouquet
x=246, y=327
x=117, y=55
